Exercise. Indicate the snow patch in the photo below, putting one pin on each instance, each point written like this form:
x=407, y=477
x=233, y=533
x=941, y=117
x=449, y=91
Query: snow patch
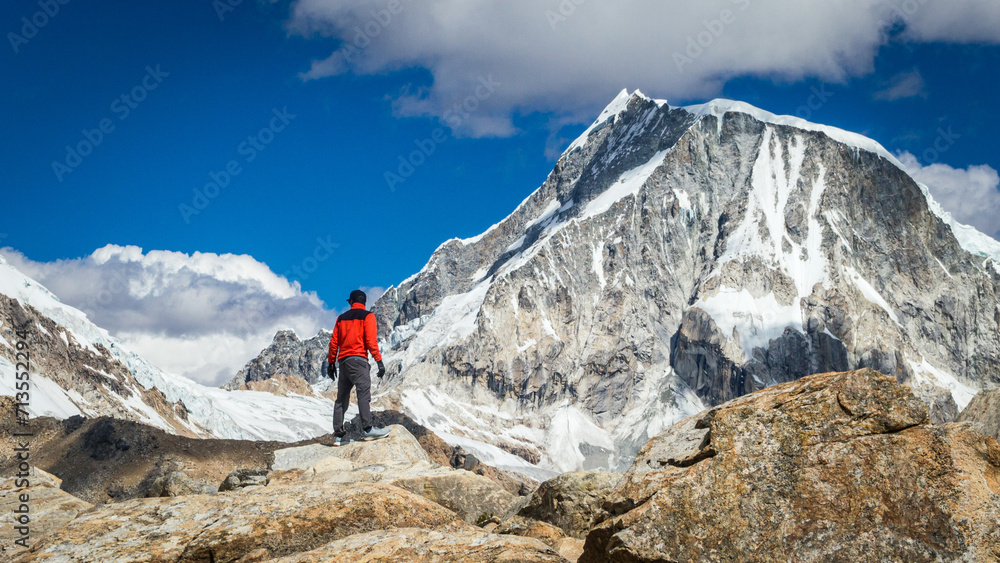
x=754, y=321
x=547, y=213
x=924, y=372
x=513, y=246
x=628, y=184
x=452, y=320
x=521, y=348
x=616, y=106
x=870, y=293
x=568, y=429
x=101, y=372
x=598, y=251
x=683, y=200
x=46, y=397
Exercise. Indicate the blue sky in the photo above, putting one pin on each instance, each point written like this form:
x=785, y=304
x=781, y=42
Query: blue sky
x=903, y=73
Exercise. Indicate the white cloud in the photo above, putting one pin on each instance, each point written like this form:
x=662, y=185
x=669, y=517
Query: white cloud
x=903, y=85
x=570, y=57
x=970, y=194
x=202, y=315
x=952, y=21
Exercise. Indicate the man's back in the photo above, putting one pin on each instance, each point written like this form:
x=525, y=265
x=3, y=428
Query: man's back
x=355, y=334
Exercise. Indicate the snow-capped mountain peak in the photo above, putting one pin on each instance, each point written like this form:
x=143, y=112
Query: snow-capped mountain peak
x=679, y=257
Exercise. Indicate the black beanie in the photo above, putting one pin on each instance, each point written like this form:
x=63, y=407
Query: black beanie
x=357, y=296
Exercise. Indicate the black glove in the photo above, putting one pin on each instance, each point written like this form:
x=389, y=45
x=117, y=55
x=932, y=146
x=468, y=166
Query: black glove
x=381, y=369
x=331, y=370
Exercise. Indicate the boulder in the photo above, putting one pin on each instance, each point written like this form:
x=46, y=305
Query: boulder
x=461, y=459
x=398, y=460
x=984, y=412
x=243, y=478
x=49, y=508
x=177, y=483
x=831, y=467
x=266, y=522
x=299, y=457
x=398, y=448
x=571, y=501
x=430, y=546
x=471, y=496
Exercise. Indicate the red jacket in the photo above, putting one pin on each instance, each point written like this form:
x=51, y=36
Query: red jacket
x=355, y=334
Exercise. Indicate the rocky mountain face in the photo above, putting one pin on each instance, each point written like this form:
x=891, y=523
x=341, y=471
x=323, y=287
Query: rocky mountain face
x=287, y=355
x=677, y=258
x=89, y=378
x=831, y=467
x=984, y=412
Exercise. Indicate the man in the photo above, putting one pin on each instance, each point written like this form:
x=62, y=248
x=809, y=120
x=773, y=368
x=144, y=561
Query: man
x=354, y=336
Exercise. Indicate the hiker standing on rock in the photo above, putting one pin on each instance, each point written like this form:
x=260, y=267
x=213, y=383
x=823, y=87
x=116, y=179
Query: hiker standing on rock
x=354, y=336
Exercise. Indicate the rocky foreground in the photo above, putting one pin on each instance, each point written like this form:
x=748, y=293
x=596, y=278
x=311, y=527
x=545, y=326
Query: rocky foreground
x=833, y=467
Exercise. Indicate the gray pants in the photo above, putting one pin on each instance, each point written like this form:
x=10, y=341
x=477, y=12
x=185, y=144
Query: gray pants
x=354, y=372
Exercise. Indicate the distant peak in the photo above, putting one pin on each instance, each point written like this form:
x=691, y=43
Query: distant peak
x=617, y=105
x=286, y=334
x=719, y=107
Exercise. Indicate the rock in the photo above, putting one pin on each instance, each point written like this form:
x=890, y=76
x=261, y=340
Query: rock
x=461, y=459
x=429, y=546
x=267, y=522
x=552, y=536
x=71, y=451
x=400, y=460
x=243, y=478
x=49, y=508
x=571, y=501
x=471, y=496
x=177, y=483
x=984, y=412
x=832, y=467
x=570, y=548
x=299, y=457
x=520, y=526
x=399, y=447
x=940, y=402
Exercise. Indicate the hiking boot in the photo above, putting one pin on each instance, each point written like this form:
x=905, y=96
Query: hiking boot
x=341, y=441
x=375, y=434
